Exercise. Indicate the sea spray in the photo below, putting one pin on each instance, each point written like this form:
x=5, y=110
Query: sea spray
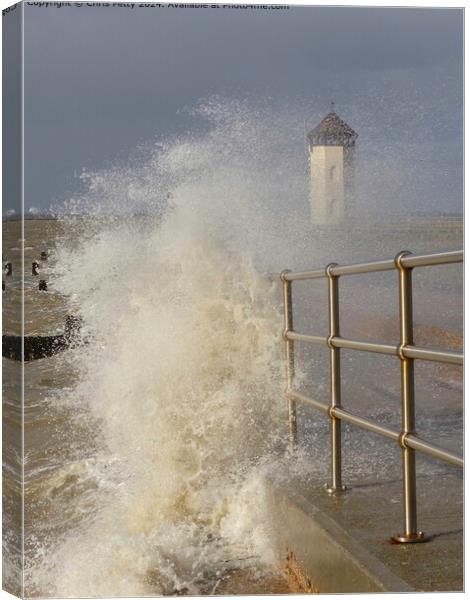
x=172, y=411
x=182, y=375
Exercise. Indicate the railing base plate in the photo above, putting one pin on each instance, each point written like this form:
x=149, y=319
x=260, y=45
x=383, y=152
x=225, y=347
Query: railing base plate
x=411, y=538
x=334, y=490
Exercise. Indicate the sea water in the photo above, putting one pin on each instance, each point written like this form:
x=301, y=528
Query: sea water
x=147, y=443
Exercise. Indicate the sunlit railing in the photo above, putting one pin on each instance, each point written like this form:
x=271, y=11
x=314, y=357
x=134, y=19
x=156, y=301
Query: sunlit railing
x=407, y=353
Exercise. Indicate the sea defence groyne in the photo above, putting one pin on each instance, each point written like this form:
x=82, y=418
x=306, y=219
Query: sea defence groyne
x=34, y=347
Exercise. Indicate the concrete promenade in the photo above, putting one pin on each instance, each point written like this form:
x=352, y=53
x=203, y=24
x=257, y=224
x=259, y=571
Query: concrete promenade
x=342, y=543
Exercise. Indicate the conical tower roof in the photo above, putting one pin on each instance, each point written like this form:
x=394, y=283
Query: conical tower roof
x=332, y=131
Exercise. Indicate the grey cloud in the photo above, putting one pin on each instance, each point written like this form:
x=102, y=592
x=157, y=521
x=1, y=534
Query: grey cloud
x=101, y=80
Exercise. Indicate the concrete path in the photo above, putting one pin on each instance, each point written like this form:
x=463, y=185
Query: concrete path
x=361, y=522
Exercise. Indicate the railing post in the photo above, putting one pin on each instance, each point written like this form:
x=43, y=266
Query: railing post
x=411, y=533
x=289, y=326
x=335, y=383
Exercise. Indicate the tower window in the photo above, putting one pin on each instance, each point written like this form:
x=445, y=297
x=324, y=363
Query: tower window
x=332, y=172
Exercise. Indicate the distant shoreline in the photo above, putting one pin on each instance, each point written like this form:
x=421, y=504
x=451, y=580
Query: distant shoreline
x=27, y=217
x=390, y=222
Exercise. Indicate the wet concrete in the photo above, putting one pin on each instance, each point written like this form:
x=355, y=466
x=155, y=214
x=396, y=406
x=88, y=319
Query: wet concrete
x=359, y=524
x=249, y=581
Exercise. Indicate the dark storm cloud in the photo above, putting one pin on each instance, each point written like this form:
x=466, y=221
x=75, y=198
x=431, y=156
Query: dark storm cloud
x=100, y=80
x=11, y=134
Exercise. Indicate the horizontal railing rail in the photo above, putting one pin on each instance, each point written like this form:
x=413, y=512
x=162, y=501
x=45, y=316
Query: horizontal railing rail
x=408, y=262
x=444, y=356
x=405, y=350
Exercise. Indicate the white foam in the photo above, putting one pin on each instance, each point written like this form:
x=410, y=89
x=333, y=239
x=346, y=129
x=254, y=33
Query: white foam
x=185, y=373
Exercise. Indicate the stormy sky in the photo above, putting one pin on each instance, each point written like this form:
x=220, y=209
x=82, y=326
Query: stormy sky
x=101, y=80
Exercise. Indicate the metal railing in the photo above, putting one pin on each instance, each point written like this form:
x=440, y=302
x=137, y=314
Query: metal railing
x=406, y=351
